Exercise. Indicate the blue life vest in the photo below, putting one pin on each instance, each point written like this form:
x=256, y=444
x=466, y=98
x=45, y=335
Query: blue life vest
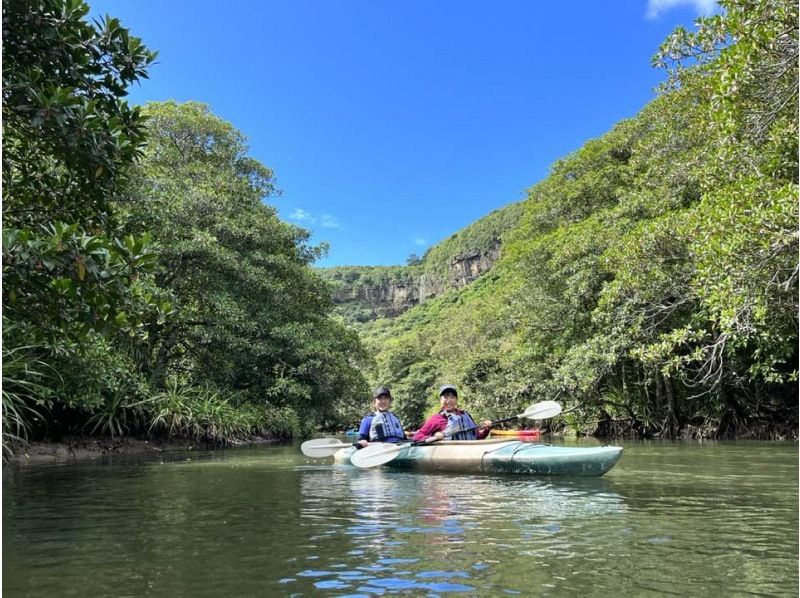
x=460, y=426
x=385, y=427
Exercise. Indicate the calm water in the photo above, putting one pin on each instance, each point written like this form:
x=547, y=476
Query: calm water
x=706, y=519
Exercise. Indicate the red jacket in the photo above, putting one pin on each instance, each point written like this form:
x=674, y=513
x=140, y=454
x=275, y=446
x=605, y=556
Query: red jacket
x=438, y=423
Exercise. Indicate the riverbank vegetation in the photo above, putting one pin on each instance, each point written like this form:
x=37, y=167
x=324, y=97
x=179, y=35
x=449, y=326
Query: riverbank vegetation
x=649, y=283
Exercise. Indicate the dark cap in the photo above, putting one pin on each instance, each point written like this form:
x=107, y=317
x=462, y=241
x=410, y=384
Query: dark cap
x=446, y=387
x=382, y=390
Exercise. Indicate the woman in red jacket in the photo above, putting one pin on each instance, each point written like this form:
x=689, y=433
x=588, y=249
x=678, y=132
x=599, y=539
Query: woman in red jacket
x=451, y=422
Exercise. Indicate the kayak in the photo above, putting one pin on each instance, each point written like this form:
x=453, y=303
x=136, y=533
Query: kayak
x=500, y=456
x=351, y=433
x=516, y=433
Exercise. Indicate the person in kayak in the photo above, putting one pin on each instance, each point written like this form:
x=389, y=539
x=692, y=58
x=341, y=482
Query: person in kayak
x=451, y=422
x=382, y=425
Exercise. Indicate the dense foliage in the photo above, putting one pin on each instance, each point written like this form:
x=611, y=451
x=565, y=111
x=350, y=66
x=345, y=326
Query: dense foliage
x=148, y=287
x=651, y=284
x=250, y=314
x=74, y=282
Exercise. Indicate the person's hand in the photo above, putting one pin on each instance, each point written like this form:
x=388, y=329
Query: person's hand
x=363, y=443
x=438, y=436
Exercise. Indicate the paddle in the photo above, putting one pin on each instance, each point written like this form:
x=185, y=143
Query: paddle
x=378, y=454
x=323, y=447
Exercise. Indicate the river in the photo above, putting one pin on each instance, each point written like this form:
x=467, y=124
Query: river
x=672, y=518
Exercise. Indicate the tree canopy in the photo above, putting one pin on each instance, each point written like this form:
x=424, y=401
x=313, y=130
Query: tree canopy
x=250, y=314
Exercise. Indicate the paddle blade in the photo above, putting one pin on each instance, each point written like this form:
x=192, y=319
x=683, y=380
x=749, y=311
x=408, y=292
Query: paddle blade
x=322, y=447
x=543, y=410
x=376, y=454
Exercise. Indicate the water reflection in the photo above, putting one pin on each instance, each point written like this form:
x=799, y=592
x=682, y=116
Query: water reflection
x=711, y=519
x=462, y=522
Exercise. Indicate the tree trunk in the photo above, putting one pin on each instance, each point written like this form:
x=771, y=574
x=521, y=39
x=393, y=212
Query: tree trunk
x=672, y=422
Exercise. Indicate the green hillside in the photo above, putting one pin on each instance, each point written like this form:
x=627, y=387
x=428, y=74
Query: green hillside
x=482, y=237
x=651, y=284
x=479, y=237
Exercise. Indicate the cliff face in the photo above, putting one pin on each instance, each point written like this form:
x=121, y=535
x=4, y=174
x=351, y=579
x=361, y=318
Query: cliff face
x=388, y=298
x=468, y=267
x=384, y=299
x=363, y=293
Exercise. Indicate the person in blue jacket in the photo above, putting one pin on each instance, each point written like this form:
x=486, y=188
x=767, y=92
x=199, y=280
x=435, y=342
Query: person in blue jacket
x=382, y=425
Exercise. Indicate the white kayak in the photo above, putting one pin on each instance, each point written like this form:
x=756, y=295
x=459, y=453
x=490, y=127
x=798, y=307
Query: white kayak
x=500, y=456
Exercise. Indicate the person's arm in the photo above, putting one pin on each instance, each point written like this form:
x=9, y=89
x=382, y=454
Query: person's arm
x=436, y=423
x=363, y=431
x=483, y=429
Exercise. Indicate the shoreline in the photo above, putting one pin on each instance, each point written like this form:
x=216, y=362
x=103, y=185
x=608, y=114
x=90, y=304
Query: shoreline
x=81, y=449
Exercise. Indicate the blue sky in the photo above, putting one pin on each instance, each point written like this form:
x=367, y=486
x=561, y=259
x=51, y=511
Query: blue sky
x=392, y=124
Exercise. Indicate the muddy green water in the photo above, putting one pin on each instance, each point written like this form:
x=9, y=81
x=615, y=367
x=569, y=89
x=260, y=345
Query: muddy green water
x=710, y=519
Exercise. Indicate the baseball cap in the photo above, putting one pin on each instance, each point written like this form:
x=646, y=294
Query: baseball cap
x=382, y=390
x=446, y=387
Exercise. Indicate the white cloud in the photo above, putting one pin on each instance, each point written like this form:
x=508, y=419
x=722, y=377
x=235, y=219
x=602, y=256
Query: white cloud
x=300, y=214
x=656, y=7
x=420, y=241
x=310, y=219
x=328, y=221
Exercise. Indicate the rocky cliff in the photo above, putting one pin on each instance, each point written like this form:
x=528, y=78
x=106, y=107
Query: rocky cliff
x=390, y=292
x=363, y=293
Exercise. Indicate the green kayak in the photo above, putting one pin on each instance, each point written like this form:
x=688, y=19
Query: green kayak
x=501, y=456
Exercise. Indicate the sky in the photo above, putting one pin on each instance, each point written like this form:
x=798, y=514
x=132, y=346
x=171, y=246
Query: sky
x=392, y=124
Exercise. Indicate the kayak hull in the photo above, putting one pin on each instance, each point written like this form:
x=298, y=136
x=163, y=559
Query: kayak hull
x=501, y=457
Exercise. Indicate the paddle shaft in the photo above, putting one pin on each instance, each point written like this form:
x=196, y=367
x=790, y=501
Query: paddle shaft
x=431, y=439
x=492, y=423
x=543, y=410
x=421, y=442
x=551, y=409
x=502, y=421
x=378, y=454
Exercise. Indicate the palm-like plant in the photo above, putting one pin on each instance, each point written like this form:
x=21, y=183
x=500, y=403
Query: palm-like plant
x=26, y=389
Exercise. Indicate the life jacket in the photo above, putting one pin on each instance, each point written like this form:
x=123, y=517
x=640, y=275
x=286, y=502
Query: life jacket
x=385, y=427
x=460, y=426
